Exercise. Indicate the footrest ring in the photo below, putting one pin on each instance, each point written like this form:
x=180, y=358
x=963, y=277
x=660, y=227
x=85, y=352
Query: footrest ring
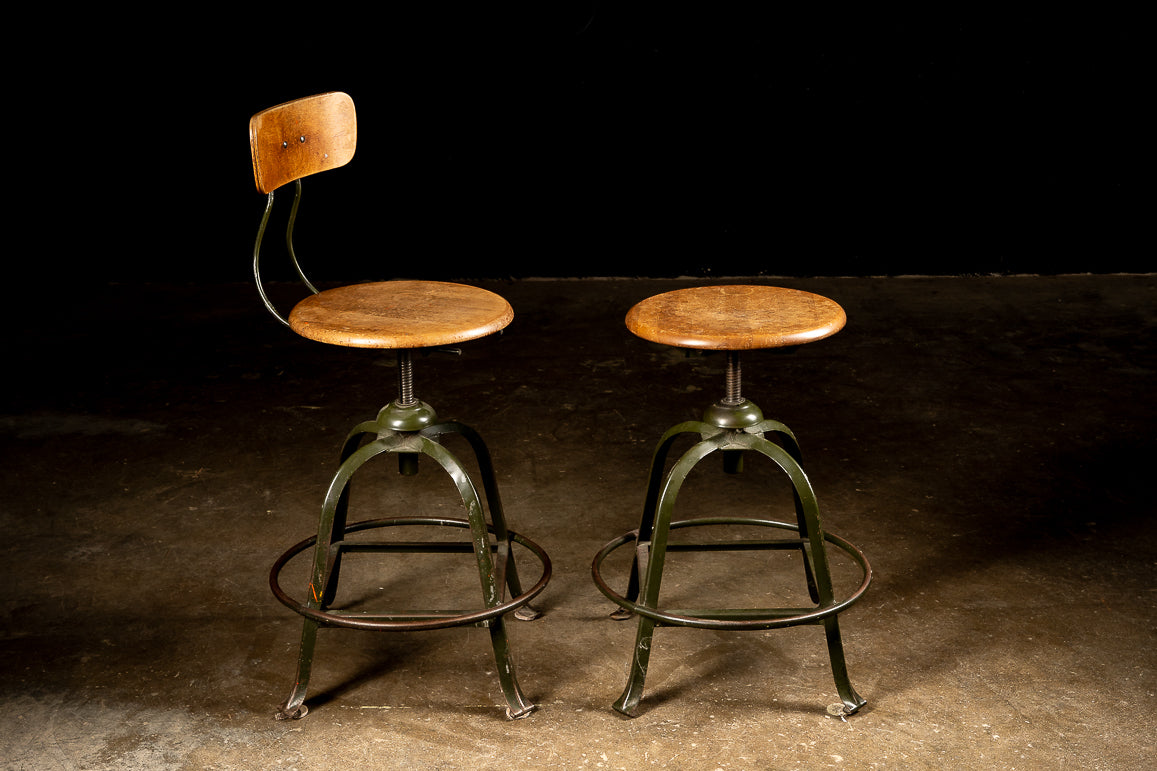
x=464, y=619
x=673, y=619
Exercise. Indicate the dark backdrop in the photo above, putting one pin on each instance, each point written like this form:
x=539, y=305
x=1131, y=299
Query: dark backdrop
x=610, y=139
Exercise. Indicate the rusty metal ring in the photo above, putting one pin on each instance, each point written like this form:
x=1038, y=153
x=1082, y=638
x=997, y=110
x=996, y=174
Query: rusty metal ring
x=673, y=619
x=464, y=619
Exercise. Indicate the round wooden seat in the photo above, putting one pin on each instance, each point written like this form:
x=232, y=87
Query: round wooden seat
x=735, y=317
x=400, y=314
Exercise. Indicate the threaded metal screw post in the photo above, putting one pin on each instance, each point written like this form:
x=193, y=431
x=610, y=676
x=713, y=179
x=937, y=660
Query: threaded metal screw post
x=734, y=383
x=406, y=379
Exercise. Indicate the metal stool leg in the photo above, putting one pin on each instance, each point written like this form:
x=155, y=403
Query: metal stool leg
x=816, y=561
x=493, y=580
x=322, y=585
x=852, y=700
x=493, y=504
x=352, y=443
x=294, y=707
x=650, y=506
x=650, y=554
x=791, y=444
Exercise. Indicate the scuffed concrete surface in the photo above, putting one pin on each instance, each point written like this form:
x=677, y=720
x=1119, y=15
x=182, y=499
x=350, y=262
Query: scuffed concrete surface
x=986, y=441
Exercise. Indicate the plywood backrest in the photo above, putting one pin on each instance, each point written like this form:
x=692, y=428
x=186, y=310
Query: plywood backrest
x=302, y=137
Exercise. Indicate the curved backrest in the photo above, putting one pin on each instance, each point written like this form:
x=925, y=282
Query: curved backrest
x=302, y=137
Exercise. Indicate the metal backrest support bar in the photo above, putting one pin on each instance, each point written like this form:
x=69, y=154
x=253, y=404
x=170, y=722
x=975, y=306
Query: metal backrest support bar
x=289, y=246
x=294, y=140
x=289, y=239
x=257, y=261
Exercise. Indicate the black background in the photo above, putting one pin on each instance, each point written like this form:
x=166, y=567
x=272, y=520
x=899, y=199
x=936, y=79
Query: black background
x=597, y=139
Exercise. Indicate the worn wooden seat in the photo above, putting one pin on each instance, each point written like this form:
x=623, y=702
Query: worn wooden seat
x=735, y=317
x=732, y=319
x=400, y=314
x=305, y=137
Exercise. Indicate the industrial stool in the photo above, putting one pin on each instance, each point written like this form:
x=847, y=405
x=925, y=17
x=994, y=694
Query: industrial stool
x=731, y=319
x=315, y=134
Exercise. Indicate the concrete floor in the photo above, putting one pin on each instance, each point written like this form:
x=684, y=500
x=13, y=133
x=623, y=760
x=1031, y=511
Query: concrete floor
x=988, y=442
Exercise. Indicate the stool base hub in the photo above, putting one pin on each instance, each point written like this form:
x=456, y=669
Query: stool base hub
x=742, y=414
x=408, y=417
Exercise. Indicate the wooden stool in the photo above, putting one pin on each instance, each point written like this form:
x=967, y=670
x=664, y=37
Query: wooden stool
x=315, y=134
x=731, y=319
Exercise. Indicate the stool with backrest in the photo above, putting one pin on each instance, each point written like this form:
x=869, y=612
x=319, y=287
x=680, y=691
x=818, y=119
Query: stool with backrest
x=319, y=133
x=731, y=319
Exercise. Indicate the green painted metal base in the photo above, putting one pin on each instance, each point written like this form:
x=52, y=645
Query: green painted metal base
x=410, y=432
x=732, y=430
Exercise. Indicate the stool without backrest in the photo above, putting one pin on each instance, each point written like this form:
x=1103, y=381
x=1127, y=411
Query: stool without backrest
x=315, y=134
x=731, y=319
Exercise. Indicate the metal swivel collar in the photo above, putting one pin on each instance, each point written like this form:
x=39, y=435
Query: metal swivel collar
x=407, y=412
x=733, y=411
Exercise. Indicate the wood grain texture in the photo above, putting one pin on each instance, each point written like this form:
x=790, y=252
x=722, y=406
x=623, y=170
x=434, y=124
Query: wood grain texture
x=400, y=314
x=735, y=317
x=302, y=137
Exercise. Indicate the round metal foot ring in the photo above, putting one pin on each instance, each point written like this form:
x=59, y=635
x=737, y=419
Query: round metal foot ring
x=672, y=619
x=442, y=622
